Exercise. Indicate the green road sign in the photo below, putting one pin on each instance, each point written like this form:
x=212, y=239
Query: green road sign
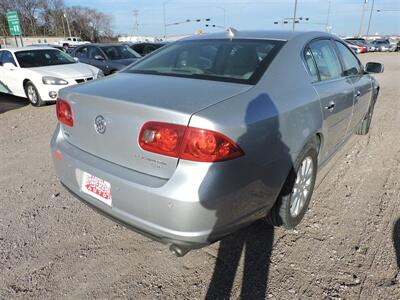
x=13, y=23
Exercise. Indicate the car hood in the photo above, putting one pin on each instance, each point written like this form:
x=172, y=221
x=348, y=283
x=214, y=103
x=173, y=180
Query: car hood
x=75, y=70
x=125, y=62
x=184, y=95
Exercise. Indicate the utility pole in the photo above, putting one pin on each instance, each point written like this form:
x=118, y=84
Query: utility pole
x=63, y=27
x=362, y=18
x=69, y=30
x=136, y=27
x=294, y=15
x=370, y=17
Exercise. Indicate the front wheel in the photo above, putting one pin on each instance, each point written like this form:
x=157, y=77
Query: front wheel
x=295, y=196
x=33, y=95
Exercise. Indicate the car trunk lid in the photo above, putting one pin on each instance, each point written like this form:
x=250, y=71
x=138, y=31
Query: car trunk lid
x=125, y=102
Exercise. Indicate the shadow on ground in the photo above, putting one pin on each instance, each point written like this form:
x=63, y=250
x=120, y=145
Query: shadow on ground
x=255, y=242
x=8, y=102
x=396, y=241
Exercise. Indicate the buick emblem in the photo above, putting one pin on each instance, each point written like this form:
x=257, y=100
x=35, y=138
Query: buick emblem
x=100, y=124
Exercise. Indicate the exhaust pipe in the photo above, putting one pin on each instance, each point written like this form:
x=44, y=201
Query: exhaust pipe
x=178, y=250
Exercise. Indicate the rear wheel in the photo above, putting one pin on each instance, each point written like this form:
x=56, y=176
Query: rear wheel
x=33, y=95
x=293, y=200
x=365, y=124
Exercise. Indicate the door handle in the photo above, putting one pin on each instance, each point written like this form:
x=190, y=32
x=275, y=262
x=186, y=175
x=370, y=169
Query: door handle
x=330, y=106
x=358, y=94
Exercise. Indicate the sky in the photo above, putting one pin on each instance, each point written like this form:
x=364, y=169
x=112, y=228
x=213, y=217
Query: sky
x=344, y=18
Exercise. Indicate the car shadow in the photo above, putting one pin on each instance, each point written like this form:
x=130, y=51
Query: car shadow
x=245, y=189
x=396, y=241
x=9, y=102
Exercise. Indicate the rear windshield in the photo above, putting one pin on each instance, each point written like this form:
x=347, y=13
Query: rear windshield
x=42, y=58
x=237, y=60
x=119, y=52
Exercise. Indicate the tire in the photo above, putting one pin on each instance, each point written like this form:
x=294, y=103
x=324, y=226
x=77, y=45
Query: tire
x=285, y=212
x=365, y=124
x=33, y=95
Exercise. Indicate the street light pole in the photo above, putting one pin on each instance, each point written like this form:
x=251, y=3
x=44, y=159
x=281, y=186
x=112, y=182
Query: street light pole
x=370, y=16
x=362, y=18
x=165, y=17
x=224, y=10
x=328, y=17
x=294, y=15
x=165, y=20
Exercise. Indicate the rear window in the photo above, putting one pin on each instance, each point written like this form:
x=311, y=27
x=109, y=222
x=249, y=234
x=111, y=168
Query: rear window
x=238, y=60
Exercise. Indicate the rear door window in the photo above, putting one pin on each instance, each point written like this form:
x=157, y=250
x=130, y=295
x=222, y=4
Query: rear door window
x=350, y=63
x=326, y=59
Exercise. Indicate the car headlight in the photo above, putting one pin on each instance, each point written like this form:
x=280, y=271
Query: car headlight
x=100, y=74
x=54, y=80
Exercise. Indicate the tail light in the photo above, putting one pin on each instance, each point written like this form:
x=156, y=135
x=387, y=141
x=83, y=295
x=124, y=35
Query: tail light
x=64, y=113
x=187, y=142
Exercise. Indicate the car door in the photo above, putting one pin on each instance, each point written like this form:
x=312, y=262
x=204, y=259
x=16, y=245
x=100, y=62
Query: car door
x=335, y=92
x=97, y=59
x=10, y=78
x=354, y=72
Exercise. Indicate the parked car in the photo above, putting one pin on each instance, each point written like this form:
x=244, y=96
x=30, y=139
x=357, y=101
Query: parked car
x=38, y=73
x=357, y=47
x=72, y=41
x=213, y=132
x=145, y=48
x=362, y=43
x=382, y=45
x=110, y=58
x=393, y=45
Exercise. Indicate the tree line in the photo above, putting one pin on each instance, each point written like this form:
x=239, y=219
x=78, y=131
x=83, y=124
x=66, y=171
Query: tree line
x=49, y=18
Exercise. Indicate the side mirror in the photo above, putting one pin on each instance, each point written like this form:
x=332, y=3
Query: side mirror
x=76, y=59
x=98, y=57
x=374, y=67
x=9, y=66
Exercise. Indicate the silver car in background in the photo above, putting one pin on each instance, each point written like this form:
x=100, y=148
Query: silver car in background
x=213, y=132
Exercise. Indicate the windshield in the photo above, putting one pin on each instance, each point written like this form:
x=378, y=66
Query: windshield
x=41, y=58
x=119, y=52
x=238, y=60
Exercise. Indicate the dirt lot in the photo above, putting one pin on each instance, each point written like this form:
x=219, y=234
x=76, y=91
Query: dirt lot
x=52, y=246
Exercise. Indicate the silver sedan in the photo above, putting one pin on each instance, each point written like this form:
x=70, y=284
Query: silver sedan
x=213, y=132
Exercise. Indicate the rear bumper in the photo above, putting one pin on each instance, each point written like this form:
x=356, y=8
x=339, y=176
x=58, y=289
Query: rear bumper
x=198, y=205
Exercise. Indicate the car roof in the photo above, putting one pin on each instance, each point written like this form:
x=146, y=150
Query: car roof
x=101, y=44
x=26, y=48
x=283, y=35
x=148, y=43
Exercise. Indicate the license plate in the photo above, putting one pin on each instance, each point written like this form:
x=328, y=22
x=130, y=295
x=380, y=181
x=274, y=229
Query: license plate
x=97, y=188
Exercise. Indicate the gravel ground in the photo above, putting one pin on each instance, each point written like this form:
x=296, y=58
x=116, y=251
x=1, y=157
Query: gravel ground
x=52, y=246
